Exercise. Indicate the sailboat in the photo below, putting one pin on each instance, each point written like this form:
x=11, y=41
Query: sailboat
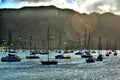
x=90, y=59
x=92, y=47
x=107, y=53
x=10, y=57
x=32, y=53
x=115, y=52
x=87, y=53
x=61, y=56
x=49, y=62
x=66, y=51
x=100, y=56
x=44, y=51
x=80, y=51
x=110, y=52
x=36, y=48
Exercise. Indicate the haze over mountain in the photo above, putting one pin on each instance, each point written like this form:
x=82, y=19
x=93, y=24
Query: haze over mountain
x=35, y=21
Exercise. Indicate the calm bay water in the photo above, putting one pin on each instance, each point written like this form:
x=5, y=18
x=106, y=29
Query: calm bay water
x=69, y=69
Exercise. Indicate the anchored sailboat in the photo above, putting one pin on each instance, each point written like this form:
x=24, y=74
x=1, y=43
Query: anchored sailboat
x=92, y=47
x=10, y=57
x=115, y=52
x=110, y=51
x=61, y=56
x=100, y=56
x=44, y=51
x=32, y=53
x=107, y=53
x=87, y=53
x=90, y=59
x=49, y=62
x=80, y=51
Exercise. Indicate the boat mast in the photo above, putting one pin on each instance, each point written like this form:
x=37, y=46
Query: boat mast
x=59, y=42
x=110, y=45
x=35, y=46
x=88, y=47
x=79, y=43
x=30, y=43
x=107, y=46
x=115, y=45
x=43, y=45
x=9, y=40
x=48, y=42
x=99, y=45
x=38, y=45
x=92, y=46
x=85, y=40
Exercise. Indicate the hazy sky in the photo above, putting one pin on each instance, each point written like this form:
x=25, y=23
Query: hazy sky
x=82, y=6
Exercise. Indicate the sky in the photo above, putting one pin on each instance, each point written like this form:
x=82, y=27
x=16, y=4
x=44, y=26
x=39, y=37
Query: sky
x=81, y=6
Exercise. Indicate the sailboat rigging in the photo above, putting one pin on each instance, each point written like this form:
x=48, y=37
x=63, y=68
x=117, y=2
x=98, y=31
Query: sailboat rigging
x=80, y=51
x=87, y=52
x=10, y=57
x=115, y=52
x=32, y=53
x=90, y=59
x=107, y=54
x=61, y=56
x=49, y=62
x=100, y=56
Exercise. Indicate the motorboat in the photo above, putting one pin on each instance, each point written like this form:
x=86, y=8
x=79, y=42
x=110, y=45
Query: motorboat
x=11, y=58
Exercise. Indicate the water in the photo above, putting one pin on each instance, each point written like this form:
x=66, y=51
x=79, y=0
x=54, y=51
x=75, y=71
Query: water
x=71, y=69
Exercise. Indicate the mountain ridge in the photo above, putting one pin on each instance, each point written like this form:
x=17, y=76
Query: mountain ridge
x=30, y=21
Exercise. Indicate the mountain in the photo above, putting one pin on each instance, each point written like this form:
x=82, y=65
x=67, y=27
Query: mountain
x=34, y=21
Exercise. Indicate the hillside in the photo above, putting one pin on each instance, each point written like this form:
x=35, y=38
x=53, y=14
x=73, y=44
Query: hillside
x=35, y=21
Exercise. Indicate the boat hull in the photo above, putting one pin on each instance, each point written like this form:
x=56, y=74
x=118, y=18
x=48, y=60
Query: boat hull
x=32, y=57
x=86, y=56
x=66, y=52
x=90, y=61
x=100, y=58
x=79, y=53
x=49, y=62
x=4, y=59
x=115, y=54
x=44, y=53
x=107, y=54
x=62, y=57
x=93, y=52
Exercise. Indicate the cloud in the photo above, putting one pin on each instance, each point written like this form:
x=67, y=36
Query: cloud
x=82, y=6
x=99, y=6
